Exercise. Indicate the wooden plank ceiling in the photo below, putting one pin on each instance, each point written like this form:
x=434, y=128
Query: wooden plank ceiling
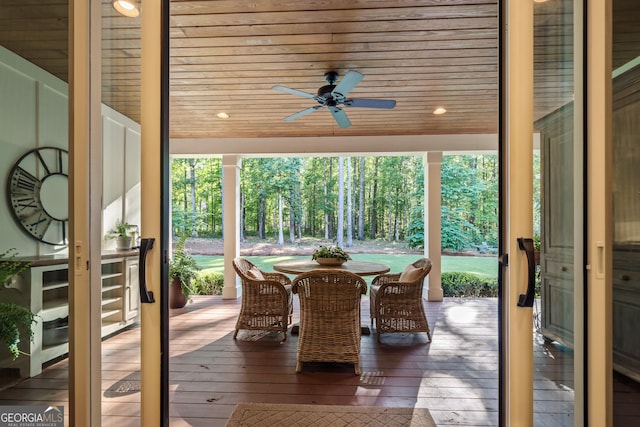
x=227, y=54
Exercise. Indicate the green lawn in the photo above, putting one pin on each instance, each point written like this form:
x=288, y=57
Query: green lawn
x=481, y=266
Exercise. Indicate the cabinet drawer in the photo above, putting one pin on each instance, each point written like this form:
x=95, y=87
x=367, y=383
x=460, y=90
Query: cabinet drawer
x=559, y=268
x=626, y=279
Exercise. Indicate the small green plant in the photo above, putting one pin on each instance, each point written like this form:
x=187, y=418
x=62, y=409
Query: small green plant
x=13, y=316
x=121, y=229
x=208, y=284
x=183, y=266
x=330, y=252
x=456, y=284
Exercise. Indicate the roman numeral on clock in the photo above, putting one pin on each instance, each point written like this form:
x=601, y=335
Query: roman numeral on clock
x=24, y=182
x=38, y=223
x=21, y=203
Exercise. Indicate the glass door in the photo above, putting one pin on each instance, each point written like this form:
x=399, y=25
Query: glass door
x=115, y=350
x=121, y=217
x=543, y=261
x=626, y=213
x=558, y=117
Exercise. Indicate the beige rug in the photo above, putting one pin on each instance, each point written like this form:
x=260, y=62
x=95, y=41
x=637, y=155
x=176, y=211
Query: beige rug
x=267, y=414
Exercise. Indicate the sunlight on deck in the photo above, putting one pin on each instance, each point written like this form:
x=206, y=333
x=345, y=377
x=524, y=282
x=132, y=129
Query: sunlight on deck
x=461, y=314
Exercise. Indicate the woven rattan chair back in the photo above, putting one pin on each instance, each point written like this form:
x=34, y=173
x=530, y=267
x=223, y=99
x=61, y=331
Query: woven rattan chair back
x=397, y=306
x=267, y=302
x=329, y=317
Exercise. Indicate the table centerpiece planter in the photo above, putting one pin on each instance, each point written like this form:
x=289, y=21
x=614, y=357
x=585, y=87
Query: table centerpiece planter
x=330, y=255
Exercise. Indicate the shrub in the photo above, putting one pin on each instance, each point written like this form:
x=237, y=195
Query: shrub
x=208, y=284
x=468, y=285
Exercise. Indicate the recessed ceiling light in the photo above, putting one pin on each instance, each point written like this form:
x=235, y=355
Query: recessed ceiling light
x=222, y=115
x=539, y=1
x=440, y=110
x=126, y=7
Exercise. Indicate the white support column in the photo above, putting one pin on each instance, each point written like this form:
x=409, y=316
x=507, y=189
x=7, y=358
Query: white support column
x=231, y=220
x=432, y=221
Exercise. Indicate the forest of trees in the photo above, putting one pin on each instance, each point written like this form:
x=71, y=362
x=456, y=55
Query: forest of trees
x=340, y=199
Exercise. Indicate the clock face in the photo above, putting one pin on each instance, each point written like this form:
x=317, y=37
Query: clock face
x=38, y=194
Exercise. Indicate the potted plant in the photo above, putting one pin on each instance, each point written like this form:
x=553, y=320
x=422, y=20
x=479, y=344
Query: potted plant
x=330, y=255
x=182, y=270
x=13, y=316
x=122, y=233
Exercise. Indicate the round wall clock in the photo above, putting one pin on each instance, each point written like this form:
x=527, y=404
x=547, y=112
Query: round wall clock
x=38, y=194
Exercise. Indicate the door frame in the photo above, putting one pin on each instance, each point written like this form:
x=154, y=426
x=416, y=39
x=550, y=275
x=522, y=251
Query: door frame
x=154, y=179
x=85, y=213
x=516, y=217
x=599, y=225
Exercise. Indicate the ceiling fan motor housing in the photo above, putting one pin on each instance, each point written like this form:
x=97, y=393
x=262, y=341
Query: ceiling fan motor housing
x=325, y=91
x=331, y=77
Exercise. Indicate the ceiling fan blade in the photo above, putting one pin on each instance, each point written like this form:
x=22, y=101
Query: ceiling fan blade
x=348, y=82
x=340, y=116
x=302, y=113
x=370, y=103
x=294, y=92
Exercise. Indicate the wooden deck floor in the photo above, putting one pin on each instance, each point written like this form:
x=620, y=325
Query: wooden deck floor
x=455, y=376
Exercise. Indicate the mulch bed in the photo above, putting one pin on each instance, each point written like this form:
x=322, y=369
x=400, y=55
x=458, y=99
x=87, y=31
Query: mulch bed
x=206, y=246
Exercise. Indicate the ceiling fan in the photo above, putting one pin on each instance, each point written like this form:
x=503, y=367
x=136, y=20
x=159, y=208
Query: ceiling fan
x=333, y=96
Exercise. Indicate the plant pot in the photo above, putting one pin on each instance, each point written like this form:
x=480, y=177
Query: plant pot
x=329, y=261
x=123, y=243
x=177, y=299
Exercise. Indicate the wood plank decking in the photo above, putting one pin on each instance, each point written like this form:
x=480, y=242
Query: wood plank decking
x=455, y=376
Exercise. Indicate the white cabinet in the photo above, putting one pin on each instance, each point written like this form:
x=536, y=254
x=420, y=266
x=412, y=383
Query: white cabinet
x=44, y=288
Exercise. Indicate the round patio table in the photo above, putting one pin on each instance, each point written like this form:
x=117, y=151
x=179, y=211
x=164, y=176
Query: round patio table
x=361, y=268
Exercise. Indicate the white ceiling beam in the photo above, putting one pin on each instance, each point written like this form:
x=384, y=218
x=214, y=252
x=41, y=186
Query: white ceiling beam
x=345, y=145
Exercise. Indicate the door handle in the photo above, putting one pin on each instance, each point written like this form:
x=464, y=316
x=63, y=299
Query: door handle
x=145, y=246
x=526, y=300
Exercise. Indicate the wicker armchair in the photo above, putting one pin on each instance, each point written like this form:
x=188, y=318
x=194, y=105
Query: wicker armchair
x=329, y=317
x=267, y=302
x=396, y=300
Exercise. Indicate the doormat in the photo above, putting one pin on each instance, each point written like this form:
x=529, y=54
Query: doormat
x=286, y=415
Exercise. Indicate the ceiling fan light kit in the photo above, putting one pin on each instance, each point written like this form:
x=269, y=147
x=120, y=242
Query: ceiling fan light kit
x=334, y=97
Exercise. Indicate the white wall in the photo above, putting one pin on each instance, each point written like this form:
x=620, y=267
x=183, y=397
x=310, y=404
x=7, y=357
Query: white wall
x=121, y=183
x=34, y=113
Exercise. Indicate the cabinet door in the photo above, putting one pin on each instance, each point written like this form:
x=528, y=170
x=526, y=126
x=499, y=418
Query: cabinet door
x=626, y=223
x=132, y=290
x=626, y=311
x=557, y=227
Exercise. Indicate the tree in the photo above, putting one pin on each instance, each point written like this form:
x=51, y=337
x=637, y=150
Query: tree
x=313, y=196
x=349, y=206
x=361, y=201
x=340, y=228
x=374, y=200
x=280, y=236
x=192, y=185
x=469, y=192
